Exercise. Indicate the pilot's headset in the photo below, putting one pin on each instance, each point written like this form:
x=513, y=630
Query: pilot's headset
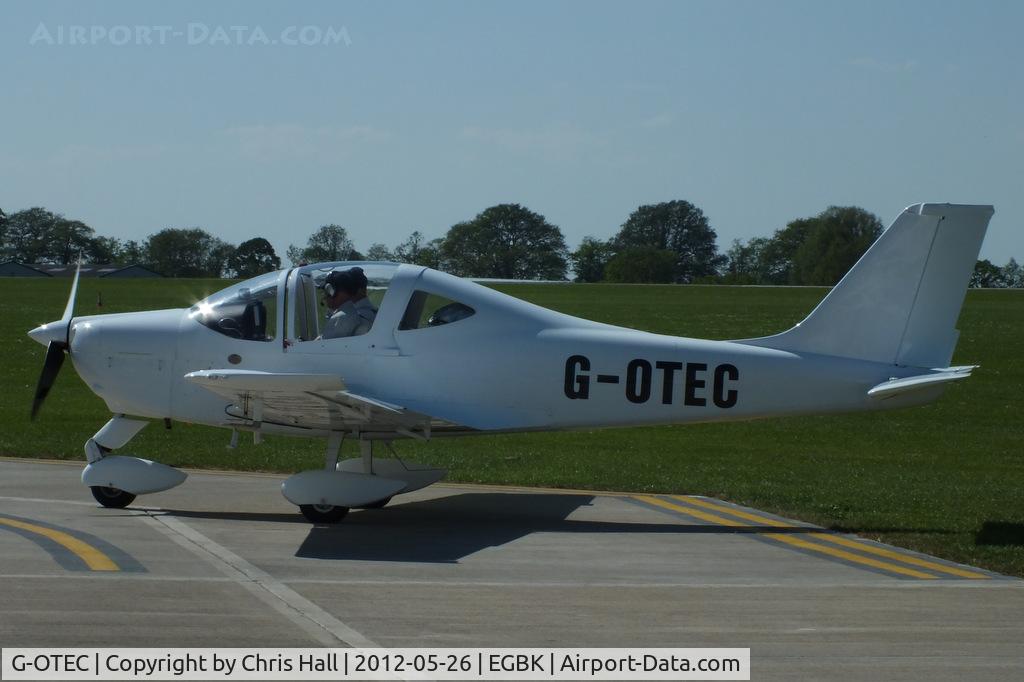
x=351, y=281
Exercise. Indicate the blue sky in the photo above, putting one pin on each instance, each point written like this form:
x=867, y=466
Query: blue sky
x=427, y=113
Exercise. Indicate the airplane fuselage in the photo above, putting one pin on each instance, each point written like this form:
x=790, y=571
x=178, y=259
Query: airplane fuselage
x=537, y=378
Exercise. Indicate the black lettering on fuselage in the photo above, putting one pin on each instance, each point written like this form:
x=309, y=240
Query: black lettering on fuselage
x=723, y=398
x=642, y=392
x=577, y=385
x=668, y=379
x=693, y=384
x=639, y=375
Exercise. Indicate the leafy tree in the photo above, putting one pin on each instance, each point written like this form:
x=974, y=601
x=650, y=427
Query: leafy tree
x=986, y=275
x=590, y=259
x=379, y=252
x=818, y=250
x=68, y=239
x=837, y=238
x=676, y=226
x=745, y=263
x=432, y=255
x=642, y=264
x=775, y=260
x=133, y=252
x=253, y=257
x=216, y=261
x=409, y=251
x=104, y=250
x=329, y=243
x=187, y=253
x=36, y=235
x=418, y=251
x=1012, y=274
x=507, y=241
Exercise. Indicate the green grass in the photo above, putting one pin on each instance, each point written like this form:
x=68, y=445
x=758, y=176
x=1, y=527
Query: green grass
x=945, y=479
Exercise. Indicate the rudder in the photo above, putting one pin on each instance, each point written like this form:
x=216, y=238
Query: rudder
x=900, y=302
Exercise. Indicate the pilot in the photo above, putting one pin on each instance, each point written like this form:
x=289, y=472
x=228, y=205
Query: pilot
x=351, y=312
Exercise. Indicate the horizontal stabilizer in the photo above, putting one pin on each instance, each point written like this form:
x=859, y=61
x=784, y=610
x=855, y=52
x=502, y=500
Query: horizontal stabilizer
x=894, y=387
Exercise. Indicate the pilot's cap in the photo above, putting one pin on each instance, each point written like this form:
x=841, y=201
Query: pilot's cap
x=351, y=281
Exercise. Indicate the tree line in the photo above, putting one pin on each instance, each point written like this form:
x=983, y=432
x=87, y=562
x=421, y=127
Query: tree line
x=36, y=235
x=669, y=242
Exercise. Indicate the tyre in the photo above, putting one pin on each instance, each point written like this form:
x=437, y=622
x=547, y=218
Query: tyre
x=323, y=513
x=113, y=498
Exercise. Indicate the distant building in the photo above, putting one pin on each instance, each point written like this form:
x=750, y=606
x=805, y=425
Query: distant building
x=14, y=269
x=135, y=270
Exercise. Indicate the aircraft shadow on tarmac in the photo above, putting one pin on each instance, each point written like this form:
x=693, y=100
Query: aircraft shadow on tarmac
x=1000, y=533
x=446, y=529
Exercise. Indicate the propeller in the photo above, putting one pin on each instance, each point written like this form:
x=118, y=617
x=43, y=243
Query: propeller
x=56, y=337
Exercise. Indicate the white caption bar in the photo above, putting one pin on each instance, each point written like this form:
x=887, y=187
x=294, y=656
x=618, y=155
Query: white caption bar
x=374, y=664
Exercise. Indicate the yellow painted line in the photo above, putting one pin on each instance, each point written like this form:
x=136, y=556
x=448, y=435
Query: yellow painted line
x=93, y=558
x=840, y=540
x=795, y=542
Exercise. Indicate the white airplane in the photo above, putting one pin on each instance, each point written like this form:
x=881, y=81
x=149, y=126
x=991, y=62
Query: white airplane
x=446, y=356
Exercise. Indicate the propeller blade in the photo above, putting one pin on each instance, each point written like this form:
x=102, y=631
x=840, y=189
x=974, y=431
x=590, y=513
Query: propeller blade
x=70, y=307
x=51, y=366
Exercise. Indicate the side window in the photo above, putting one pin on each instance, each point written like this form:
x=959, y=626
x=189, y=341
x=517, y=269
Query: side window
x=306, y=309
x=430, y=310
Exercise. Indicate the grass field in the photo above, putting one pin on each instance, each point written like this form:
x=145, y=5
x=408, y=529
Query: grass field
x=946, y=479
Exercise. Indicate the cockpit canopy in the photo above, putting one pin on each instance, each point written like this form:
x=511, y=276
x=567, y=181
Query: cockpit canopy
x=249, y=310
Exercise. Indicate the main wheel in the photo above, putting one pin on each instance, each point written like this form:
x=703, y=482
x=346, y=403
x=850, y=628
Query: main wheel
x=323, y=513
x=379, y=504
x=115, y=498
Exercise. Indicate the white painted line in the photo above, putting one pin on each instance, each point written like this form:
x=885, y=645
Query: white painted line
x=324, y=627
x=77, y=503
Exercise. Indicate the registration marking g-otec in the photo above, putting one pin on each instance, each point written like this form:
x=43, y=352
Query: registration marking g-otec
x=697, y=381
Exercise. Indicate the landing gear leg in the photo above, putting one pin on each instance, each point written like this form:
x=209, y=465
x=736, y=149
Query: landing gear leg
x=115, y=434
x=327, y=513
x=366, y=450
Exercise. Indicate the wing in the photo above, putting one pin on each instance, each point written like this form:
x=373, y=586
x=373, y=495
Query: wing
x=309, y=401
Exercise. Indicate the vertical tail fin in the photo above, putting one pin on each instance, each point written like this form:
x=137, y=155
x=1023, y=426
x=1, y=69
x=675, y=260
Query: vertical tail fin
x=899, y=304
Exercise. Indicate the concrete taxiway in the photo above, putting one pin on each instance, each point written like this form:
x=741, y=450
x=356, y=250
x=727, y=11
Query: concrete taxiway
x=224, y=560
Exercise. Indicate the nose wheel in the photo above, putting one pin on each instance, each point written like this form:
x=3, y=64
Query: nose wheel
x=323, y=513
x=114, y=498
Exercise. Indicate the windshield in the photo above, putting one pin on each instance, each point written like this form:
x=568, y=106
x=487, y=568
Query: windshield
x=247, y=310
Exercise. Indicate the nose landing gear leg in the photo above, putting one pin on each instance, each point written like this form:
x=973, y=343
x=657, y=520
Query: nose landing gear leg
x=115, y=480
